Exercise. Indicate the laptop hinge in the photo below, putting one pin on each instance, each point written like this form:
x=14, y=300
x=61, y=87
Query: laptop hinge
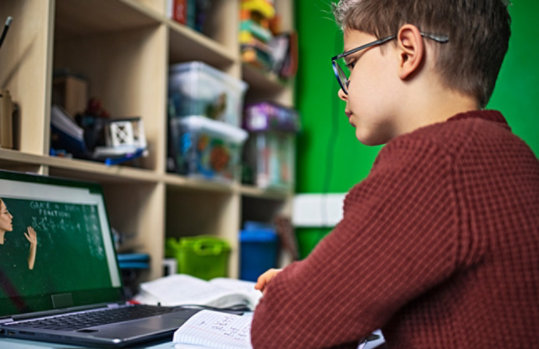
x=56, y=312
x=115, y=305
x=4, y=320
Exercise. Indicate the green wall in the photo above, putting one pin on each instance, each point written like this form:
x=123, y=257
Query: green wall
x=330, y=159
x=517, y=91
x=329, y=156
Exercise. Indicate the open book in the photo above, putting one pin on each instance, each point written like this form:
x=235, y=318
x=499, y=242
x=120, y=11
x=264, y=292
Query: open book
x=217, y=330
x=182, y=289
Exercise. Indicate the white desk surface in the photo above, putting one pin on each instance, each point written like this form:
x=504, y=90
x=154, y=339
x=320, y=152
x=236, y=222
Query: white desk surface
x=9, y=343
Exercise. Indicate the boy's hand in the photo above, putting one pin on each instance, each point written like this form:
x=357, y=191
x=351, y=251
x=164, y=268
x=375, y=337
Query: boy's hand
x=264, y=279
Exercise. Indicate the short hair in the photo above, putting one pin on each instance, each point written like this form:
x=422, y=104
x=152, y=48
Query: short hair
x=478, y=32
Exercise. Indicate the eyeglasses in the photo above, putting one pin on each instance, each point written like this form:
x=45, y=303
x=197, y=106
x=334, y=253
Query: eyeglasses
x=342, y=69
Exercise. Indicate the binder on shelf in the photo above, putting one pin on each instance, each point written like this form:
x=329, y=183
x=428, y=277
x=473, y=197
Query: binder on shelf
x=133, y=260
x=6, y=120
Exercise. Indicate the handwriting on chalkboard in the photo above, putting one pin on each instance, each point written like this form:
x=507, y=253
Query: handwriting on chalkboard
x=53, y=218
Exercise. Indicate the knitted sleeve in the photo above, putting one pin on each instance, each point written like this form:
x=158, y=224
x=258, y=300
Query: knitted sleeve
x=398, y=238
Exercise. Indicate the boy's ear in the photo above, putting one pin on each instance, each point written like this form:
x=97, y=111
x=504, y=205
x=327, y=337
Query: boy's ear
x=411, y=50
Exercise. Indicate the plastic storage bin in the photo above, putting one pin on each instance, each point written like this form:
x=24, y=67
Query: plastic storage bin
x=269, y=154
x=258, y=250
x=206, y=148
x=205, y=257
x=195, y=88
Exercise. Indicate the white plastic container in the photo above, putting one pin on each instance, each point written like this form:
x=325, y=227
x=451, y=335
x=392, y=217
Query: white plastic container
x=269, y=154
x=270, y=157
x=206, y=148
x=195, y=88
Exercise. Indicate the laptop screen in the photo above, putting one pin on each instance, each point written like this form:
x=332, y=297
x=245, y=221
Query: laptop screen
x=56, y=248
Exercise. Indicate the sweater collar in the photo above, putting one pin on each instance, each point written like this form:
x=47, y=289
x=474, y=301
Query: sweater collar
x=487, y=115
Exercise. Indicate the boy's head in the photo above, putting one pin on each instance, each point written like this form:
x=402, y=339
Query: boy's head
x=478, y=32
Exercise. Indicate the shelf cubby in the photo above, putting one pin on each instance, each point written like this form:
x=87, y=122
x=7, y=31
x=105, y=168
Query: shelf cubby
x=124, y=49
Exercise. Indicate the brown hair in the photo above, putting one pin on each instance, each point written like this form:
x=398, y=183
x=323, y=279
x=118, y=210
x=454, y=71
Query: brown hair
x=478, y=32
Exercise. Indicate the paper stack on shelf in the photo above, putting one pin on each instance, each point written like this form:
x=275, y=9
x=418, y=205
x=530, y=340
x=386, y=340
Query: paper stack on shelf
x=66, y=134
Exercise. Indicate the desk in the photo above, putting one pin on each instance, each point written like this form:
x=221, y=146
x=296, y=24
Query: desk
x=9, y=343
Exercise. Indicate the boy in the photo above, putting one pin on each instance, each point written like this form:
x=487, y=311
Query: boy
x=439, y=245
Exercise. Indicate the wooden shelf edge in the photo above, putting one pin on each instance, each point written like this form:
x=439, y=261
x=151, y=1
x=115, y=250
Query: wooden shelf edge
x=142, y=8
x=259, y=79
x=217, y=54
x=177, y=181
x=77, y=168
x=265, y=193
x=15, y=156
x=79, y=18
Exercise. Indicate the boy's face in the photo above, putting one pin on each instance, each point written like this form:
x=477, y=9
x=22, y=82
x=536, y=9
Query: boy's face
x=373, y=90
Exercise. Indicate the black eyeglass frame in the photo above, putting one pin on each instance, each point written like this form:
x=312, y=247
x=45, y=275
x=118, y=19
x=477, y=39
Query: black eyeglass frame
x=341, y=75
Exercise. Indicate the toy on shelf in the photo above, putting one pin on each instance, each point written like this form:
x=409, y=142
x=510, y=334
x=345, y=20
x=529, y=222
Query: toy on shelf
x=255, y=33
x=93, y=135
x=125, y=141
x=262, y=42
x=269, y=154
x=265, y=8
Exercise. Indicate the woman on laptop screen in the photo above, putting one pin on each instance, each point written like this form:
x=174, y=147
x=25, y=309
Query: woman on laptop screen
x=6, y=225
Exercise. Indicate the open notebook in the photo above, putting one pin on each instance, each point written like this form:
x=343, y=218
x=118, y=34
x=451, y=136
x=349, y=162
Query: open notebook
x=59, y=277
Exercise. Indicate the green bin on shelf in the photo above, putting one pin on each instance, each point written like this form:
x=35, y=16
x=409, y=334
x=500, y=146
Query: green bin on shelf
x=205, y=257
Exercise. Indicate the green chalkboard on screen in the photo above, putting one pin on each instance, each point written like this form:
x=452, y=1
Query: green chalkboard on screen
x=70, y=249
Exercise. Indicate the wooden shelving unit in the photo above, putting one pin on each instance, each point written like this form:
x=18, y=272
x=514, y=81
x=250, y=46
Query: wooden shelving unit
x=125, y=48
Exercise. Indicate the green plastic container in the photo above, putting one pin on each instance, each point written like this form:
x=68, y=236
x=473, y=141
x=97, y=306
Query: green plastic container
x=205, y=257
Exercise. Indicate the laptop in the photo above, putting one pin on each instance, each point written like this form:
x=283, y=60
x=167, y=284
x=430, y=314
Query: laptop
x=67, y=287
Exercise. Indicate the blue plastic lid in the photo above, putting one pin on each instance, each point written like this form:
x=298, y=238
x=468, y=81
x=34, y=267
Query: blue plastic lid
x=253, y=225
x=259, y=235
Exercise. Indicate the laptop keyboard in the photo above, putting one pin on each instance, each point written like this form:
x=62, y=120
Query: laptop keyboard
x=94, y=318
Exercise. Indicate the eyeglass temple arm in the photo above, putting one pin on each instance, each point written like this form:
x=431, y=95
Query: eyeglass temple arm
x=436, y=37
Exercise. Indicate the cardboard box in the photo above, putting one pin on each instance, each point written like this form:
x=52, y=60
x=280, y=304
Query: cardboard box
x=71, y=93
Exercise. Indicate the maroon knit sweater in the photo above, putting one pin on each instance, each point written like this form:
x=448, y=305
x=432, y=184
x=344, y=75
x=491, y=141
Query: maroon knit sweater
x=438, y=247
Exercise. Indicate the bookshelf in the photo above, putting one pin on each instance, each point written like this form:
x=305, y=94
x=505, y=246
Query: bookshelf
x=125, y=48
